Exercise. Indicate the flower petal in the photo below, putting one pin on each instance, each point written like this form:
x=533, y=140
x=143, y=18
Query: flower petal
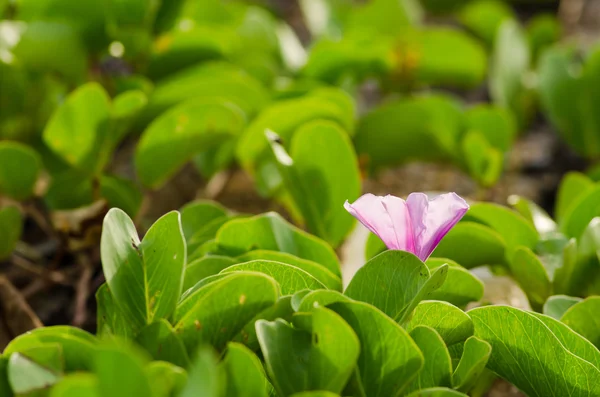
x=432, y=219
x=384, y=217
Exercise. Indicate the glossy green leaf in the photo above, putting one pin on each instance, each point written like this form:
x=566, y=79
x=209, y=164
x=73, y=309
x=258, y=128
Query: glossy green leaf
x=78, y=346
x=204, y=377
x=271, y=232
x=282, y=309
x=216, y=312
x=146, y=277
x=162, y=343
x=484, y=162
x=245, y=373
x=573, y=186
x=204, y=235
x=514, y=229
x=79, y=130
x=511, y=61
x=392, y=359
x=25, y=375
x=450, y=322
x=321, y=297
x=290, y=278
x=19, y=169
x=395, y=282
x=472, y=244
x=461, y=286
x=206, y=266
x=571, y=340
x=381, y=16
x=526, y=353
x=557, y=305
x=121, y=193
x=183, y=131
x=323, y=354
x=166, y=379
x=531, y=275
x=110, y=318
x=321, y=156
x=581, y=212
x=437, y=370
x=582, y=318
x=11, y=227
x=76, y=385
x=476, y=353
x=437, y=392
x=120, y=371
x=419, y=128
x=484, y=17
x=497, y=125
x=127, y=105
x=197, y=214
x=320, y=272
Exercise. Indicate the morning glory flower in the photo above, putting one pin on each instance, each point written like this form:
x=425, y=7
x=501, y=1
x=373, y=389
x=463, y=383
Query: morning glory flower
x=416, y=224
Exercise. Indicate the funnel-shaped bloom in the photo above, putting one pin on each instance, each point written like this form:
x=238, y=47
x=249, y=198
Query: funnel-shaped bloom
x=416, y=225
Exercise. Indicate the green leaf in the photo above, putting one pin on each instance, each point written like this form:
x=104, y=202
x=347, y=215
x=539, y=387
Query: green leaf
x=436, y=392
x=392, y=358
x=484, y=18
x=78, y=346
x=209, y=81
x=322, y=352
x=245, y=373
x=579, y=214
x=531, y=275
x=450, y=322
x=543, y=30
x=430, y=125
x=271, y=232
x=25, y=375
x=472, y=245
x=535, y=215
x=544, y=367
x=315, y=394
x=514, y=229
x=161, y=342
x=476, y=353
x=321, y=297
x=216, y=312
x=110, y=318
x=510, y=65
x=582, y=318
x=282, y=309
x=484, y=162
x=284, y=118
x=5, y=389
x=204, y=267
x=395, y=282
x=571, y=340
x=204, y=377
x=497, y=125
x=185, y=130
x=121, y=193
x=79, y=130
x=166, y=379
x=206, y=234
x=557, y=305
x=320, y=272
x=461, y=286
x=381, y=16
x=290, y=278
x=374, y=246
x=321, y=156
x=573, y=186
x=76, y=385
x=437, y=370
x=69, y=190
x=196, y=215
x=19, y=170
x=120, y=371
x=146, y=277
x=127, y=105
x=11, y=227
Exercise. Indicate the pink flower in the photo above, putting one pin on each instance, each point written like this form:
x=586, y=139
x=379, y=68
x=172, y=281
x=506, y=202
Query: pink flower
x=416, y=225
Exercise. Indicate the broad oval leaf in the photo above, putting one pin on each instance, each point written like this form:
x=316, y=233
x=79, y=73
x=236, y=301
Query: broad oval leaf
x=392, y=359
x=282, y=309
x=120, y=371
x=204, y=267
x=572, y=186
x=204, y=377
x=476, y=353
x=271, y=232
x=395, y=282
x=531, y=275
x=544, y=366
x=145, y=278
x=76, y=385
x=197, y=214
x=161, y=342
x=166, y=379
x=450, y=322
x=321, y=297
x=245, y=374
x=557, y=305
x=583, y=318
x=218, y=311
x=581, y=212
x=437, y=370
x=19, y=169
x=188, y=129
x=437, y=392
x=461, y=286
x=111, y=320
x=291, y=279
